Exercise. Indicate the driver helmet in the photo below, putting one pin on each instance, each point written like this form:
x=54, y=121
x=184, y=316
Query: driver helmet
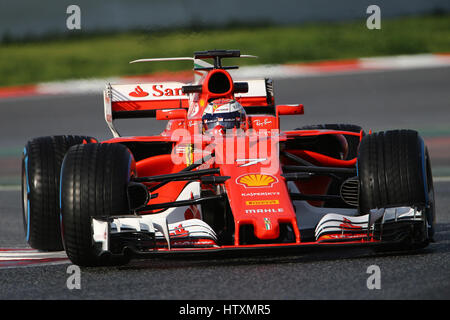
x=226, y=113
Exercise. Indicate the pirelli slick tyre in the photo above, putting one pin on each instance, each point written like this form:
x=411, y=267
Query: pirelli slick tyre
x=394, y=170
x=94, y=181
x=41, y=164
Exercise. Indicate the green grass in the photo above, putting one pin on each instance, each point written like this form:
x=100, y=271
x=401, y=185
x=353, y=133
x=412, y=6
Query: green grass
x=106, y=55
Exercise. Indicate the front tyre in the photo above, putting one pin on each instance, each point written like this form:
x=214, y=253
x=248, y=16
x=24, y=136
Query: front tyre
x=394, y=171
x=94, y=181
x=41, y=164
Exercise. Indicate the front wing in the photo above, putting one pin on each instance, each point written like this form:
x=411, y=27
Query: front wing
x=153, y=235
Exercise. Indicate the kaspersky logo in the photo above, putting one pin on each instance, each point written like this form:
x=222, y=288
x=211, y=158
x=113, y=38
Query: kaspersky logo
x=138, y=93
x=256, y=180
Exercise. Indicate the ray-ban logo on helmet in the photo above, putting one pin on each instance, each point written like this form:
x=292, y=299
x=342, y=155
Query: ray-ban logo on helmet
x=255, y=180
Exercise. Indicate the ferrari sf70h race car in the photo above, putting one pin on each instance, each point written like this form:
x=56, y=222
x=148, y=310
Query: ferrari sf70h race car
x=222, y=177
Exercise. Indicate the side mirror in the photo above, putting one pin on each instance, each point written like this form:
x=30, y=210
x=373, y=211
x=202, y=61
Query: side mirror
x=240, y=87
x=290, y=109
x=171, y=114
x=192, y=88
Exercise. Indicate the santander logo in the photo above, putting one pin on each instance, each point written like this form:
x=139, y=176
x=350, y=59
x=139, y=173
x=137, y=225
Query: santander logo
x=157, y=91
x=138, y=92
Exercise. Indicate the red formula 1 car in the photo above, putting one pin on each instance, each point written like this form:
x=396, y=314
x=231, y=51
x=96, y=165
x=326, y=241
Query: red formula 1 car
x=222, y=177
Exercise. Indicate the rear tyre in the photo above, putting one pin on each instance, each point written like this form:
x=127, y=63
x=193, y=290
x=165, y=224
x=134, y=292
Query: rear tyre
x=41, y=164
x=94, y=181
x=394, y=171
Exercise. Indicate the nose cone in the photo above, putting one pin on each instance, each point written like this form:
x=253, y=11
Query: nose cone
x=266, y=225
x=256, y=190
x=258, y=199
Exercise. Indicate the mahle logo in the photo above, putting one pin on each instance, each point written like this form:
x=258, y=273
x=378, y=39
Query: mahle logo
x=261, y=202
x=265, y=210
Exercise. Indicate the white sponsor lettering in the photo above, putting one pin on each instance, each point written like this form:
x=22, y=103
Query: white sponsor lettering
x=260, y=123
x=257, y=194
x=250, y=161
x=265, y=210
x=196, y=310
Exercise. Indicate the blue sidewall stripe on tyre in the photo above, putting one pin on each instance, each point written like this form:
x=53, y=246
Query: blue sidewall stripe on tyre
x=28, y=193
x=129, y=168
x=60, y=198
x=424, y=170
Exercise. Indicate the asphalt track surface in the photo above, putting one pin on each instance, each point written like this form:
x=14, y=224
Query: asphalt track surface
x=418, y=99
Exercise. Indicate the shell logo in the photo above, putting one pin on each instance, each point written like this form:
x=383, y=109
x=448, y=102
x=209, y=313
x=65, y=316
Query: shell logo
x=254, y=180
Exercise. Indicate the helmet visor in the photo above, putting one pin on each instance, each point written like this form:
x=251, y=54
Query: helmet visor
x=227, y=120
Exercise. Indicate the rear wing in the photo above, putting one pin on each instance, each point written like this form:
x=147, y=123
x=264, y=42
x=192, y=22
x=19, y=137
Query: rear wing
x=125, y=101
x=143, y=100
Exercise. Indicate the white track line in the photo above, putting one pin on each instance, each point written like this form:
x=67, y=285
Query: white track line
x=441, y=179
x=27, y=257
x=11, y=188
x=30, y=255
x=274, y=71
